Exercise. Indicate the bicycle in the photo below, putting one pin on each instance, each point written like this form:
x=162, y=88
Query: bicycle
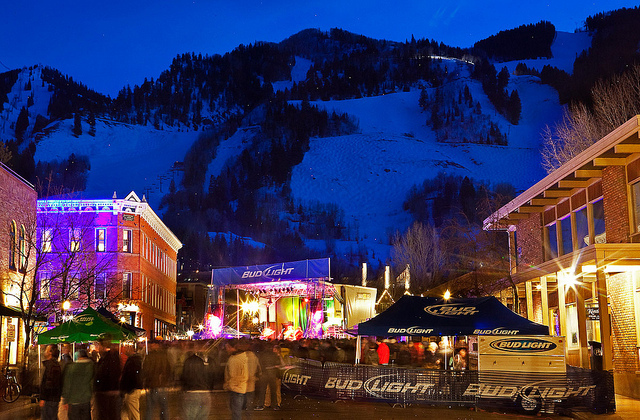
x=11, y=390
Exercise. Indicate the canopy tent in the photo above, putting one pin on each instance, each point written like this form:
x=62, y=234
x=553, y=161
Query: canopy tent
x=427, y=316
x=87, y=326
x=138, y=332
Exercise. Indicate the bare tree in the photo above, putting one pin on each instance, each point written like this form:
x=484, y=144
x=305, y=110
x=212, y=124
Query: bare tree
x=614, y=102
x=419, y=247
x=5, y=153
x=55, y=263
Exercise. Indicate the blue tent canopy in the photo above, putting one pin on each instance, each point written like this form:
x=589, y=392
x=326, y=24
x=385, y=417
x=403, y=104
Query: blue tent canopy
x=427, y=316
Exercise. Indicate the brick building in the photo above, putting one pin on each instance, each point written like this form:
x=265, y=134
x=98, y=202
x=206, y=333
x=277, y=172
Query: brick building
x=575, y=253
x=115, y=253
x=17, y=216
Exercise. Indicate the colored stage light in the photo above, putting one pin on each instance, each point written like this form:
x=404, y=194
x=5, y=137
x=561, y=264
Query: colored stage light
x=250, y=306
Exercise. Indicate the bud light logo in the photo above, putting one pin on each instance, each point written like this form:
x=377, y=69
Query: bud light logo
x=529, y=345
x=451, y=310
x=272, y=271
x=410, y=330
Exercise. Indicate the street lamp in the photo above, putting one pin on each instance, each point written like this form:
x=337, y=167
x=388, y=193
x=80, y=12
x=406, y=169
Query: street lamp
x=65, y=307
x=447, y=295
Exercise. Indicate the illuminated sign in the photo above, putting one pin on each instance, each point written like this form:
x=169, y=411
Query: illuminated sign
x=451, y=310
x=515, y=345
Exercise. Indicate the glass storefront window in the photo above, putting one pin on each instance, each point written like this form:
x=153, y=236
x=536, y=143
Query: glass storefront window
x=598, y=222
x=567, y=239
x=582, y=227
x=572, y=327
x=552, y=241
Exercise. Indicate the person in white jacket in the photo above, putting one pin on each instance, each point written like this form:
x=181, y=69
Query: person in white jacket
x=236, y=378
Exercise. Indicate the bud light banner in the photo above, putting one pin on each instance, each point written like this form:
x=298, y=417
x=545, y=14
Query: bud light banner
x=296, y=270
x=528, y=393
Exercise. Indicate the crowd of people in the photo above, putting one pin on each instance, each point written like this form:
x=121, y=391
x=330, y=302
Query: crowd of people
x=105, y=381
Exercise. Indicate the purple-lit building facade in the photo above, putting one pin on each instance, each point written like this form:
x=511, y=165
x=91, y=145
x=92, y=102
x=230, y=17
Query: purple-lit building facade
x=112, y=253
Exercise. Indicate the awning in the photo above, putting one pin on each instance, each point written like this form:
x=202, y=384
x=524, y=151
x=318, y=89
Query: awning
x=9, y=311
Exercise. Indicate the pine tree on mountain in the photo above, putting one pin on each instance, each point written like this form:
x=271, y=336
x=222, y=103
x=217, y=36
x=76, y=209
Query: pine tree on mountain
x=77, y=124
x=22, y=123
x=503, y=78
x=468, y=198
x=91, y=120
x=514, y=108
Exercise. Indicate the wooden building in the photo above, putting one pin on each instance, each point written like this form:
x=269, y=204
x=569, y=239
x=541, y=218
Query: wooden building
x=575, y=254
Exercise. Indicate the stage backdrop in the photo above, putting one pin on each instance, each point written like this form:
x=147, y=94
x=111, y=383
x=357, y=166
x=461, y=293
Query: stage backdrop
x=295, y=270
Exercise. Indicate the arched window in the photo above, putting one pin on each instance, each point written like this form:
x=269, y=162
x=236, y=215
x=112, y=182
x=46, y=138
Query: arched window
x=22, y=248
x=12, y=245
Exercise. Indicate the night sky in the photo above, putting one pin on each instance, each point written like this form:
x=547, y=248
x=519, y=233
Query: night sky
x=107, y=45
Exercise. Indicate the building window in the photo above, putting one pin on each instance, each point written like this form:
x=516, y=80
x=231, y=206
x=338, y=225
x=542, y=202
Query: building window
x=75, y=240
x=12, y=245
x=599, y=232
x=127, y=285
x=44, y=285
x=635, y=190
x=73, y=286
x=101, y=240
x=126, y=240
x=567, y=239
x=22, y=248
x=582, y=227
x=551, y=239
x=100, y=286
x=47, y=239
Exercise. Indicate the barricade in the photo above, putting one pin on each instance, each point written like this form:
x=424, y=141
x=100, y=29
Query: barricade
x=578, y=389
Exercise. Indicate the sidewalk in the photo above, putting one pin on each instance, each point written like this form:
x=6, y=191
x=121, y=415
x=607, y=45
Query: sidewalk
x=295, y=408
x=626, y=409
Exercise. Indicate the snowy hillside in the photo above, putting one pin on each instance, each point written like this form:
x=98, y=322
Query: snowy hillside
x=565, y=49
x=369, y=174
x=19, y=97
x=123, y=157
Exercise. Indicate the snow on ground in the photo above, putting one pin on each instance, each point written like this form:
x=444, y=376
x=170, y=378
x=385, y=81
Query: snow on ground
x=230, y=237
x=298, y=74
x=565, y=49
x=123, y=157
x=369, y=174
x=18, y=97
x=228, y=150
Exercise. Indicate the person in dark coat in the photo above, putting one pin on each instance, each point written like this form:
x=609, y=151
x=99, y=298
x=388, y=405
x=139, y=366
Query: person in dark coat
x=107, y=382
x=196, y=398
x=51, y=384
x=156, y=376
x=78, y=387
x=131, y=385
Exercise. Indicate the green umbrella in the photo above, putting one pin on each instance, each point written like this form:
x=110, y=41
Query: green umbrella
x=87, y=326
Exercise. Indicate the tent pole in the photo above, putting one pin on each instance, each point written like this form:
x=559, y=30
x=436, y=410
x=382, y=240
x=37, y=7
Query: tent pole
x=238, y=313
x=358, y=348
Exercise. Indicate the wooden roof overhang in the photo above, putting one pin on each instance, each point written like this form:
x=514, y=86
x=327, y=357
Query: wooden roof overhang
x=610, y=258
x=617, y=148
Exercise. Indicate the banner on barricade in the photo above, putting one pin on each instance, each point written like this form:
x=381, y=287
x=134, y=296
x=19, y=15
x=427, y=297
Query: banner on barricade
x=527, y=392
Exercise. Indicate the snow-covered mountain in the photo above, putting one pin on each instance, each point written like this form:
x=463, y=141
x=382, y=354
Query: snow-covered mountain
x=367, y=174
